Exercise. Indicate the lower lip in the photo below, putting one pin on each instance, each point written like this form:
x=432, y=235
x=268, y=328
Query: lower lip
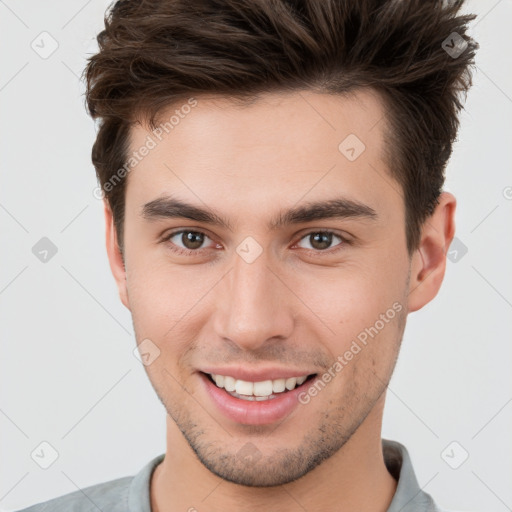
x=250, y=412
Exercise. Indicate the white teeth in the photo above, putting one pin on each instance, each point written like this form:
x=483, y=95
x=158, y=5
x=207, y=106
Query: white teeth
x=242, y=387
x=263, y=388
x=229, y=383
x=278, y=385
x=290, y=383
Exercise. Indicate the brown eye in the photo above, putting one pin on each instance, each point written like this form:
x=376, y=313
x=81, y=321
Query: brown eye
x=320, y=240
x=191, y=240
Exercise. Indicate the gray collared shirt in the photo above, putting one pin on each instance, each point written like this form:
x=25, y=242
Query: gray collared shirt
x=131, y=493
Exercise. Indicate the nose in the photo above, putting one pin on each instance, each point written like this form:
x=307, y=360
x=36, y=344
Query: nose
x=255, y=307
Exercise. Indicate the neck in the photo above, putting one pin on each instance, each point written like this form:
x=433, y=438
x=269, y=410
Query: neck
x=354, y=479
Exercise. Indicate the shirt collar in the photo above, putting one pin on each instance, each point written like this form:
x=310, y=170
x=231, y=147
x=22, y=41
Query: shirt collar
x=408, y=497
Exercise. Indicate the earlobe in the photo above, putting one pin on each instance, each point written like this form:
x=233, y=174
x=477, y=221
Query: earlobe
x=428, y=263
x=115, y=257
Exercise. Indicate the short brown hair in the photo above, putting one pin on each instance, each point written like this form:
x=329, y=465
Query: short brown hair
x=155, y=53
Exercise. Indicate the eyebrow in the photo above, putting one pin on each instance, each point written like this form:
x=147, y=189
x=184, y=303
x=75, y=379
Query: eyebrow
x=337, y=208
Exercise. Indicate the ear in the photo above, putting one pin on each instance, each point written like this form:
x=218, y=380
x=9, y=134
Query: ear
x=115, y=257
x=429, y=260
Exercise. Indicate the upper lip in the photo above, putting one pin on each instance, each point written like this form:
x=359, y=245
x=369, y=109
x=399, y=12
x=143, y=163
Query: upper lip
x=256, y=375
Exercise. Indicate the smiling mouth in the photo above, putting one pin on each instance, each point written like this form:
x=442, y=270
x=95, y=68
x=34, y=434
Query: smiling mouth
x=257, y=391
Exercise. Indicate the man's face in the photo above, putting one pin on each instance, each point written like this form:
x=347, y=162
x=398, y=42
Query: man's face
x=265, y=295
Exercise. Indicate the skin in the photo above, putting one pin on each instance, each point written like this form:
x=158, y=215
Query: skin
x=295, y=305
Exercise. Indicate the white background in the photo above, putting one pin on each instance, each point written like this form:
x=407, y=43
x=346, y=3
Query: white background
x=68, y=374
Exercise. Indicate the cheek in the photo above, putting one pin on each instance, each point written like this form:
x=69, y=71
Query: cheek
x=157, y=288
x=350, y=296
x=358, y=314
x=167, y=303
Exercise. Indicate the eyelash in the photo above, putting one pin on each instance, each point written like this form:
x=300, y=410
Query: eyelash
x=190, y=252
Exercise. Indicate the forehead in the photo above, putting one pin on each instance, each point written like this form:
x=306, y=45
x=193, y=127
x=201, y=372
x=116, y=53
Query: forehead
x=280, y=147
x=290, y=116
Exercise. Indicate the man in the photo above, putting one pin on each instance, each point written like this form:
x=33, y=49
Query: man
x=272, y=174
